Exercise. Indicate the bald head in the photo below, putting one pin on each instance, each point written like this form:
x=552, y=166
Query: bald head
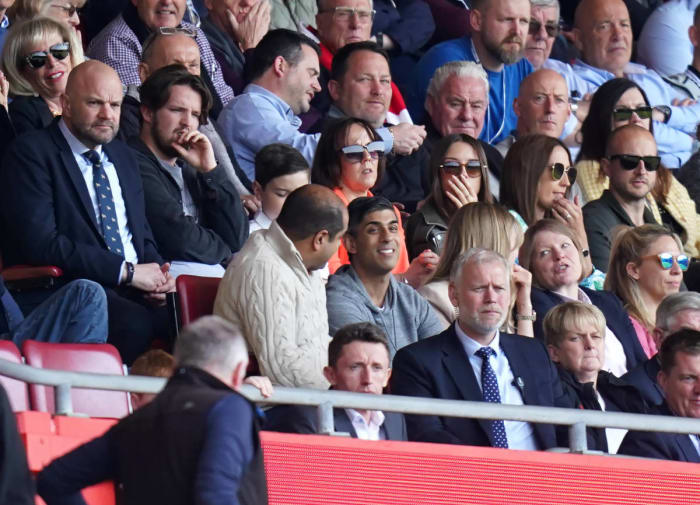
x=629, y=134
x=542, y=105
x=163, y=50
x=92, y=103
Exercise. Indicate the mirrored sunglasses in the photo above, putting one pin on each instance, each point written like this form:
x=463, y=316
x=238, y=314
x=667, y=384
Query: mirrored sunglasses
x=37, y=59
x=666, y=260
x=631, y=161
x=624, y=113
x=552, y=29
x=356, y=153
x=453, y=167
x=558, y=171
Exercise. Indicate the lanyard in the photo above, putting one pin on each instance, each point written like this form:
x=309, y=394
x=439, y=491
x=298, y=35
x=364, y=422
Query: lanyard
x=505, y=105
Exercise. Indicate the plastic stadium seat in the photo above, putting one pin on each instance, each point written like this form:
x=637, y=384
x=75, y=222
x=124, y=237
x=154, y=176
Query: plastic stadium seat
x=16, y=390
x=96, y=358
x=26, y=277
x=196, y=296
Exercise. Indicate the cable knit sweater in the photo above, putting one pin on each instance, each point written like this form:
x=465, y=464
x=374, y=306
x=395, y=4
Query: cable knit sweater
x=280, y=308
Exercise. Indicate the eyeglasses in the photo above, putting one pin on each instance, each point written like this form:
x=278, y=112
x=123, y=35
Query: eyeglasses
x=552, y=29
x=473, y=167
x=631, y=161
x=558, y=171
x=356, y=153
x=166, y=30
x=666, y=260
x=625, y=113
x=345, y=13
x=37, y=59
x=70, y=9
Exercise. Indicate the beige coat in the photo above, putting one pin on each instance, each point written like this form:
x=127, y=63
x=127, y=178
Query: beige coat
x=280, y=308
x=436, y=293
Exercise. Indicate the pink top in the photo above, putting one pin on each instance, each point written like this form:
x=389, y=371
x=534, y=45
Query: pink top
x=645, y=338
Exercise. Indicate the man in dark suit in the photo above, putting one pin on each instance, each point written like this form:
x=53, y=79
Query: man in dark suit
x=675, y=312
x=679, y=379
x=358, y=361
x=472, y=360
x=71, y=197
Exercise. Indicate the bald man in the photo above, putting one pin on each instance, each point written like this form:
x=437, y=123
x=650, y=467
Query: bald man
x=70, y=196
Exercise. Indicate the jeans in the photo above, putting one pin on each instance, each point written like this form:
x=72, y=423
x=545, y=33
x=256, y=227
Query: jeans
x=76, y=313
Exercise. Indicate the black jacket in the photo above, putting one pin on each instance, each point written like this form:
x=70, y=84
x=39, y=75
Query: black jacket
x=222, y=228
x=29, y=113
x=643, y=377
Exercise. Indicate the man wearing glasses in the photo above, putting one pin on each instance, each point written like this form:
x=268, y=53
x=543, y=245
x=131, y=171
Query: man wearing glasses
x=631, y=162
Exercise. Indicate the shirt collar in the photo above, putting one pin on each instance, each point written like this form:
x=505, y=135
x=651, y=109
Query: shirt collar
x=471, y=346
x=283, y=106
x=76, y=146
x=261, y=218
x=376, y=417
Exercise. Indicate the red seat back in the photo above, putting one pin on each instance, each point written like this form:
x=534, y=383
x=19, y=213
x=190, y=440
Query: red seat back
x=196, y=296
x=96, y=358
x=17, y=391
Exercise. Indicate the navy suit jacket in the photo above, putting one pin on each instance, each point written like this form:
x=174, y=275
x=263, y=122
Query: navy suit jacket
x=643, y=377
x=47, y=216
x=438, y=367
x=616, y=318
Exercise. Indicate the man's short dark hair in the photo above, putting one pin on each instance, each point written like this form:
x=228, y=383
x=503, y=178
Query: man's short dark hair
x=685, y=340
x=360, y=207
x=277, y=160
x=155, y=92
x=341, y=58
x=309, y=210
x=280, y=42
x=356, y=332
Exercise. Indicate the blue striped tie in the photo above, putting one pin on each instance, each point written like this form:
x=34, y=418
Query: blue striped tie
x=105, y=203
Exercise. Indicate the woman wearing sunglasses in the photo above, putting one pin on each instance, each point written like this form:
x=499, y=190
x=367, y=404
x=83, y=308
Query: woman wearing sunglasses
x=37, y=58
x=459, y=173
x=646, y=264
x=65, y=11
x=616, y=103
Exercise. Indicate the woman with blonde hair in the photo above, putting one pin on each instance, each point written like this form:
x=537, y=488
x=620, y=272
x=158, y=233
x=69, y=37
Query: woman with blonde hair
x=646, y=264
x=65, y=11
x=490, y=226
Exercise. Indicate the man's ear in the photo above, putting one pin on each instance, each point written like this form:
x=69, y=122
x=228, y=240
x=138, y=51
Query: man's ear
x=318, y=239
x=257, y=190
x=350, y=243
x=605, y=166
x=329, y=374
x=452, y=294
x=143, y=71
x=334, y=89
x=553, y=353
x=516, y=106
x=386, y=379
x=662, y=379
x=578, y=41
x=693, y=35
x=65, y=104
x=279, y=66
x=239, y=374
x=632, y=270
x=146, y=114
x=475, y=20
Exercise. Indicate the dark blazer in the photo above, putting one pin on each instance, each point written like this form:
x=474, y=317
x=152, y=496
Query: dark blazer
x=29, y=113
x=616, y=318
x=222, y=227
x=649, y=444
x=643, y=377
x=409, y=23
x=47, y=216
x=303, y=419
x=438, y=367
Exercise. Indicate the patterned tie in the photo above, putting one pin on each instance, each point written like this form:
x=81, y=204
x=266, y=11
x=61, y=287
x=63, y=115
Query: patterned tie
x=489, y=389
x=105, y=203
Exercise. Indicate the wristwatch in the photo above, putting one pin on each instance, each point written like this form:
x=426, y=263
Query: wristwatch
x=129, y=274
x=532, y=317
x=380, y=39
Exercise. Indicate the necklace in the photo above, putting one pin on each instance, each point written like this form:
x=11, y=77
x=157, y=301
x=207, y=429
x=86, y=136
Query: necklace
x=505, y=105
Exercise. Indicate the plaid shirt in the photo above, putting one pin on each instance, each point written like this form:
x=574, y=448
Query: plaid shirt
x=117, y=46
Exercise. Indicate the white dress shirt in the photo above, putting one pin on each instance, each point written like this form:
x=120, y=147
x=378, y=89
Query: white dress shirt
x=614, y=436
x=260, y=221
x=367, y=430
x=520, y=435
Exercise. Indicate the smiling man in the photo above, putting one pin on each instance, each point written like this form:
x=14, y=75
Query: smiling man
x=366, y=290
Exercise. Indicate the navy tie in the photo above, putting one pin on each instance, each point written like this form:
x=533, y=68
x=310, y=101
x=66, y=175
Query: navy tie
x=489, y=389
x=105, y=203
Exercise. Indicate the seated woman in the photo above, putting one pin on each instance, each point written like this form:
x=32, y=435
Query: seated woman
x=350, y=160
x=37, y=58
x=646, y=264
x=65, y=11
x=575, y=336
x=490, y=226
x=552, y=252
x=459, y=172
x=616, y=103
x=536, y=183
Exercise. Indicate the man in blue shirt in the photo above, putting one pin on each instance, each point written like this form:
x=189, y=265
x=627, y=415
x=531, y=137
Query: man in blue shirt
x=4, y=20
x=498, y=31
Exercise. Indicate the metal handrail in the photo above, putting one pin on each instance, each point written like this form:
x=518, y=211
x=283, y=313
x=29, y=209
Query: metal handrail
x=326, y=400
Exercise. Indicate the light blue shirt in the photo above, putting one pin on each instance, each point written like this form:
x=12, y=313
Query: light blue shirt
x=673, y=139
x=520, y=435
x=664, y=44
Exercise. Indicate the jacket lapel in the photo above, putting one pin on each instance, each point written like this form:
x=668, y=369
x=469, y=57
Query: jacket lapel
x=687, y=448
x=521, y=370
x=392, y=426
x=342, y=423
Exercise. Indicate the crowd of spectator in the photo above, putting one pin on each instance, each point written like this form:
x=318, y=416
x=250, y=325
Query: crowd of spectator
x=506, y=216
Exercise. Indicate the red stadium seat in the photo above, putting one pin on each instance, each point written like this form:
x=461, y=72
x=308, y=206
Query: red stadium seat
x=196, y=296
x=16, y=390
x=27, y=277
x=96, y=358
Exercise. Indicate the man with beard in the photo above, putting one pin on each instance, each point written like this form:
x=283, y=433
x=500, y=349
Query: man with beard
x=194, y=210
x=498, y=31
x=73, y=198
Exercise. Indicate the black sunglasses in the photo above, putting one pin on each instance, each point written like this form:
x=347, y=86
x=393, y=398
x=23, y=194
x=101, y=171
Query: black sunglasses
x=472, y=167
x=37, y=59
x=558, y=171
x=70, y=9
x=356, y=153
x=624, y=113
x=551, y=28
x=631, y=161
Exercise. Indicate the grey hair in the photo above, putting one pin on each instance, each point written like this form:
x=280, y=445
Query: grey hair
x=477, y=255
x=546, y=3
x=673, y=304
x=212, y=344
x=457, y=69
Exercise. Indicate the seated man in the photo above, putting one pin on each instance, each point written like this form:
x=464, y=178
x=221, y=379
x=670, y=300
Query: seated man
x=76, y=313
x=679, y=379
x=279, y=170
x=688, y=80
x=80, y=196
x=472, y=360
x=119, y=44
x=273, y=292
x=366, y=290
x=676, y=312
x=625, y=201
x=358, y=361
x=193, y=209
